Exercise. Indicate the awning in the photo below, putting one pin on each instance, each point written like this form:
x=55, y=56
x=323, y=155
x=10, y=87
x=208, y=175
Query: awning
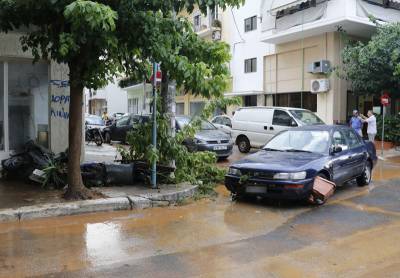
x=244, y=93
x=284, y=4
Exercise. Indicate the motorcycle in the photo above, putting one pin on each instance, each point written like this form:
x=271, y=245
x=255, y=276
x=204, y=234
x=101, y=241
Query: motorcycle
x=93, y=134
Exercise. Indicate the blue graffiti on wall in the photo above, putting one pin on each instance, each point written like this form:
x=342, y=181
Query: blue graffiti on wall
x=60, y=99
x=60, y=113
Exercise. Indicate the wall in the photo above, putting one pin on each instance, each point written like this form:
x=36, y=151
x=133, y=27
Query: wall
x=245, y=45
x=285, y=72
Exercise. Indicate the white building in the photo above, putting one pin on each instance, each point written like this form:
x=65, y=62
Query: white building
x=247, y=53
x=139, y=98
x=111, y=99
x=306, y=32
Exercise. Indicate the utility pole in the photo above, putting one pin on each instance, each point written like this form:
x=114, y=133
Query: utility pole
x=154, y=136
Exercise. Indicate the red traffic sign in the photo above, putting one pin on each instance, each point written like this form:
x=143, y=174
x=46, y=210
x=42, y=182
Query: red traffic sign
x=385, y=100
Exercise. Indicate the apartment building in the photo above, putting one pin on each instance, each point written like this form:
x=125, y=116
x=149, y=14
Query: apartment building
x=309, y=36
x=247, y=64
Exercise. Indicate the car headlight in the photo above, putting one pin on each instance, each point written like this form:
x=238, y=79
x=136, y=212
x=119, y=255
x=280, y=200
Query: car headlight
x=199, y=141
x=234, y=171
x=290, y=176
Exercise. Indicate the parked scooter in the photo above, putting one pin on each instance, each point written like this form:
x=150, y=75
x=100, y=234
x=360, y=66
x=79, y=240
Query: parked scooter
x=93, y=134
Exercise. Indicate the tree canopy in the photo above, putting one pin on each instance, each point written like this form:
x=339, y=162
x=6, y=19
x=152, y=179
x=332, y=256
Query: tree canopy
x=101, y=39
x=374, y=66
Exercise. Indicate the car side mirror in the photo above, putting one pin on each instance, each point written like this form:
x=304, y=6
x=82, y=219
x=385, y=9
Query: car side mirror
x=336, y=149
x=293, y=123
x=229, y=125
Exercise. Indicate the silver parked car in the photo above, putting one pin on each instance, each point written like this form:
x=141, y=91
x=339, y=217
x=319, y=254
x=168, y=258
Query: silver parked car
x=223, y=123
x=208, y=138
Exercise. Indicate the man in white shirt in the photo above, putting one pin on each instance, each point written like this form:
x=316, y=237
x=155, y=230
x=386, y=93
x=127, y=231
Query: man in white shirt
x=371, y=120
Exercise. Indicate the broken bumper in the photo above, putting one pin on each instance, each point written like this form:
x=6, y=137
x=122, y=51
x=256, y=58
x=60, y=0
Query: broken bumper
x=276, y=189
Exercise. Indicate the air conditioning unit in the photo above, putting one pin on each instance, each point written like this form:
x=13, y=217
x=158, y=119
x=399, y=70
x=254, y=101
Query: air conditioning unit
x=320, y=86
x=322, y=66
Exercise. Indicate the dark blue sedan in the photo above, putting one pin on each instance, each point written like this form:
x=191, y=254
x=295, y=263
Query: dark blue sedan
x=288, y=164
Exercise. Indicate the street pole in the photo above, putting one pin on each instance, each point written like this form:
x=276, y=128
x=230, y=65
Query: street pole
x=383, y=128
x=154, y=137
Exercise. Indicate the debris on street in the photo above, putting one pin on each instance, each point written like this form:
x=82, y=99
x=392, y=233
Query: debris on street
x=322, y=190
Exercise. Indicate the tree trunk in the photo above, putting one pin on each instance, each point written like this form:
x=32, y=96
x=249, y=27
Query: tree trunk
x=76, y=188
x=168, y=105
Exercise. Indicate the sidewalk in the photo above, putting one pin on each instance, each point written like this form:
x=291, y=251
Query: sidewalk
x=20, y=202
x=387, y=153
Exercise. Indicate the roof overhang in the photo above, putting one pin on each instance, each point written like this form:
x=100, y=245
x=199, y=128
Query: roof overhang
x=356, y=26
x=244, y=93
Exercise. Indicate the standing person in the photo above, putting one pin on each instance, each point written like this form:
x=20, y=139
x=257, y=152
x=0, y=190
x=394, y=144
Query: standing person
x=356, y=123
x=105, y=117
x=371, y=121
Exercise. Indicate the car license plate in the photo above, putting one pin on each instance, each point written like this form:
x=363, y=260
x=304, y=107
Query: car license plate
x=220, y=148
x=256, y=189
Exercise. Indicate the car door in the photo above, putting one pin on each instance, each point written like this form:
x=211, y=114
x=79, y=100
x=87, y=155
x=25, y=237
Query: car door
x=341, y=166
x=357, y=153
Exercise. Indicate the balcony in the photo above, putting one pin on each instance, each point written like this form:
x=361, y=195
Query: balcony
x=288, y=20
x=207, y=25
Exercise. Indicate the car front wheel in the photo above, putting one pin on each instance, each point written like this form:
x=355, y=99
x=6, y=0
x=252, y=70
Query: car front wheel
x=365, y=178
x=243, y=144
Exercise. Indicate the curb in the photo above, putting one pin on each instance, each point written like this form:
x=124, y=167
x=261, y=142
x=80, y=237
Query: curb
x=99, y=205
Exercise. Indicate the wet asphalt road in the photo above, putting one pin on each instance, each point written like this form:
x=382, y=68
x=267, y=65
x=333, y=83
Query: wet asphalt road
x=356, y=234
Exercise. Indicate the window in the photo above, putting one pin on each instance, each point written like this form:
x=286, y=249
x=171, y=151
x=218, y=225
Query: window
x=123, y=121
x=338, y=140
x=180, y=109
x=197, y=22
x=282, y=118
x=250, y=65
x=28, y=103
x=300, y=140
x=250, y=101
x=352, y=138
x=226, y=121
x=133, y=105
x=295, y=100
x=218, y=120
x=196, y=108
x=250, y=24
x=134, y=120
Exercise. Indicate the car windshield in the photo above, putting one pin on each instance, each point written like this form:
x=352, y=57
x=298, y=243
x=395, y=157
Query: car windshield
x=94, y=120
x=306, y=117
x=205, y=125
x=300, y=141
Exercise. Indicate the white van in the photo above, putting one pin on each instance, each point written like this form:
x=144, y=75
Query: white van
x=255, y=126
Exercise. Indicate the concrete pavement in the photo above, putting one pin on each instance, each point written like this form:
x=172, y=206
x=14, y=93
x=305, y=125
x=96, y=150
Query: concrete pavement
x=354, y=235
